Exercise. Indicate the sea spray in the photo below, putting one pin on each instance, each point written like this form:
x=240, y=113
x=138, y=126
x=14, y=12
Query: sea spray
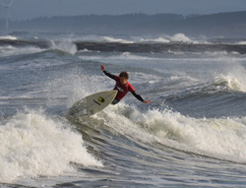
x=65, y=45
x=73, y=86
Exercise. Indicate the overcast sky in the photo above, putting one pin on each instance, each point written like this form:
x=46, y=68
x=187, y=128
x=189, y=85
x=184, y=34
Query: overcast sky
x=25, y=9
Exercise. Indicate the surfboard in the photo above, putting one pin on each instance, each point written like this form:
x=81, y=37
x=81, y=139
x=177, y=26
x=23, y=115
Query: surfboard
x=92, y=104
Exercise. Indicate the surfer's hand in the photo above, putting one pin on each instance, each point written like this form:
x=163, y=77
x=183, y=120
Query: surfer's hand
x=102, y=67
x=147, y=102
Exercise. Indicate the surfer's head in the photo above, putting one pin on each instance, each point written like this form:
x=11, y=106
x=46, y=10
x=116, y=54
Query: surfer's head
x=124, y=77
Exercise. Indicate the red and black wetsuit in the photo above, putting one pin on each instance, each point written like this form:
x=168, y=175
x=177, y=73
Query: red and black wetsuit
x=122, y=89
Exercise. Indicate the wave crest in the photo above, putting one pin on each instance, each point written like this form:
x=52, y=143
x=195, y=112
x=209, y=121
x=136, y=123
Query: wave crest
x=230, y=82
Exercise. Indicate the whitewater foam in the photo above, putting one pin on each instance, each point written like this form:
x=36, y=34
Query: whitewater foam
x=10, y=50
x=8, y=37
x=155, y=40
x=178, y=37
x=119, y=119
x=33, y=145
x=112, y=39
x=219, y=138
x=222, y=138
x=241, y=43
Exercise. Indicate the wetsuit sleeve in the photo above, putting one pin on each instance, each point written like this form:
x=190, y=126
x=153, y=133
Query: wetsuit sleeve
x=137, y=96
x=132, y=89
x=109, y=74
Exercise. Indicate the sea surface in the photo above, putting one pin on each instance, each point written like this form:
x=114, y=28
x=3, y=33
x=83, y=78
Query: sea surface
x=192, y=134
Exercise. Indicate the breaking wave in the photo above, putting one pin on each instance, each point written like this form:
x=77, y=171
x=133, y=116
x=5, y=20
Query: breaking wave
x=33, y=145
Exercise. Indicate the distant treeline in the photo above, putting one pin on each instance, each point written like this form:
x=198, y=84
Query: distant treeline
x=222, y=24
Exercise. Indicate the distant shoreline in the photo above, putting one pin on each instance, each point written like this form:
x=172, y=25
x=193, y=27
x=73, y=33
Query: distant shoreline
x=232, y=24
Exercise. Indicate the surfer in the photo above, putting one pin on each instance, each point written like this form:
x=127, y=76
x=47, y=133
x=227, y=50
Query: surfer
x=122, y=86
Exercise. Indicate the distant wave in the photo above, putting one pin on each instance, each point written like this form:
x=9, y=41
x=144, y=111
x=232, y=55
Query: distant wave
x=183, y=44
x=160, y=48
x=11, y=50
x=242, y=42
x=179, y=37
x=117, y=40
x=221, y=84
x=8, y=37
x=21, y=43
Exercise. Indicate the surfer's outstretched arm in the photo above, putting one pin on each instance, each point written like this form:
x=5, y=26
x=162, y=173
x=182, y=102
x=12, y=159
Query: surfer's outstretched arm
x=140, y=98
x=107, y=73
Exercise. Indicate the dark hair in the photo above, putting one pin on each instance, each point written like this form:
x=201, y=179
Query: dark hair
x=124, y=74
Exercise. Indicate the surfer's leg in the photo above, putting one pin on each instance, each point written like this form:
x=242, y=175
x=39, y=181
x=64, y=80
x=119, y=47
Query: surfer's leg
x=115, y=101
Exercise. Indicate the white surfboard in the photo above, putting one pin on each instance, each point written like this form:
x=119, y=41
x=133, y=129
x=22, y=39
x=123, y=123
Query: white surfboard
x=92, y=103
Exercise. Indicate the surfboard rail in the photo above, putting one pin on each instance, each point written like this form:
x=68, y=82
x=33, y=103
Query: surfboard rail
x=93, y=103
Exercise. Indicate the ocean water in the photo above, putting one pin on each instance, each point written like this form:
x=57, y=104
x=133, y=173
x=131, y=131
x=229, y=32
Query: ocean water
x=192, y=134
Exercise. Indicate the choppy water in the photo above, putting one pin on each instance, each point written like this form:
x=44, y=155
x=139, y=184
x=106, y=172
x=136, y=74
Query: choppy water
x=193, y=134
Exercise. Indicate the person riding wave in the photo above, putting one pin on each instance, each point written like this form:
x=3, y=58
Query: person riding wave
x=122, y=86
